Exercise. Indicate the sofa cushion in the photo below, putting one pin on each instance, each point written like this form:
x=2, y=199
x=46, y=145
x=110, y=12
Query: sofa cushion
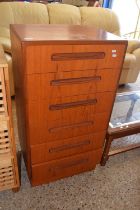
x=5, y=39
x=30, y=13
x=6, y=43
x=127, y=76
x=130, y=61
x=129, y=73
x=64, y=14
x=23, y=13
x=6, y=15
x=100, y=18
x=133, y=45
x=4, y=32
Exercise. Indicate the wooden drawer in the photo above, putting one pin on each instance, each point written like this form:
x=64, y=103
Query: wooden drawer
x=63, y=148
x=53, y=170
x=52, y=85
x=56, y=58
x=69, y=109
x=41, y=132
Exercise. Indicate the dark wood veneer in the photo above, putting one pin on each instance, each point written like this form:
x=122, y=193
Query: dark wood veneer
x=77, y=56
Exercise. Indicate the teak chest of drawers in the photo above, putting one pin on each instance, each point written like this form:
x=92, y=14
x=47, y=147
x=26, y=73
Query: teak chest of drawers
x=66, y=79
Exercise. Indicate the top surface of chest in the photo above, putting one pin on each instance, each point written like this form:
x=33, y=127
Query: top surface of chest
x=74, y=34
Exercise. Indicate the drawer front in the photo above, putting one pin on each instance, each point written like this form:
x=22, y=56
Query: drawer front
x=59, y=58
x=53, y=170
x=63, y=148
x=69, y=109
x=52, y=85
x=41, y=132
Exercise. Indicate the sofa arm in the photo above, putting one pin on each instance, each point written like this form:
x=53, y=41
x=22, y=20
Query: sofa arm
x=6, y=62
x=133, y=45
x=136, y=53
x=6, y=43
x=3, y=61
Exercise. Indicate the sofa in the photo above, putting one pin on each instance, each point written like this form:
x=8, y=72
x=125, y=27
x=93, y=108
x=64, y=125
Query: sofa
x=37, y=13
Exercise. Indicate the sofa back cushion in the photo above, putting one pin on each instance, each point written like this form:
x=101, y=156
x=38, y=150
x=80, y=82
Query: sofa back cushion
x=36, y=13
x=22, y=13
x=64, y=14
x=100, y=18
x=19, y=13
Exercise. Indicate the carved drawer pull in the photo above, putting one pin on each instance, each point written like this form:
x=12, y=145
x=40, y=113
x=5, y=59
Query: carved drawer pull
x=69, y=146
x=67, y=165
x=72, y=104
x=76, y=125
x=74, y=80
x=77, y=56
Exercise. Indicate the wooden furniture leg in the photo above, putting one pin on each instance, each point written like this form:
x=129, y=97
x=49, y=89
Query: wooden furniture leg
x=105, y=156
x=16, y=189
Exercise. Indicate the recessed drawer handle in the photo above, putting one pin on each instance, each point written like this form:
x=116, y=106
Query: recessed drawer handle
x=73, y=163
x=77, y=56
x=70, y=146
x=74, y=80
x=72, y=126
x=72, y=104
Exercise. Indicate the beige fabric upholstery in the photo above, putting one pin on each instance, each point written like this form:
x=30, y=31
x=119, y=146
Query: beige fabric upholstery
x=133, y=45
x=4, y=31
x=6, y=44
x=64, y=14
x=100, y=18
x=131, y=67
x=33, y=13
x=130, y=61
x=22, y=12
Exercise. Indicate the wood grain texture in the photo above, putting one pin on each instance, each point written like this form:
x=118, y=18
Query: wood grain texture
x=76, y=34
x=64, y=84
x=77, y=56
x=57, y=169
x=65, y=89
x=18, y=70
x=55, y=150
x=46, y=64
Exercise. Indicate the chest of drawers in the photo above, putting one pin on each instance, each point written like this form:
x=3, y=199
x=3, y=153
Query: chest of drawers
x=66, y=79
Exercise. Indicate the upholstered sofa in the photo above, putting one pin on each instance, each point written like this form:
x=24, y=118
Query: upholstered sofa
x=36, y=13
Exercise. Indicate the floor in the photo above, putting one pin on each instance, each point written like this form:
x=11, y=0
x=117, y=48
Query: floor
x=115, y=186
